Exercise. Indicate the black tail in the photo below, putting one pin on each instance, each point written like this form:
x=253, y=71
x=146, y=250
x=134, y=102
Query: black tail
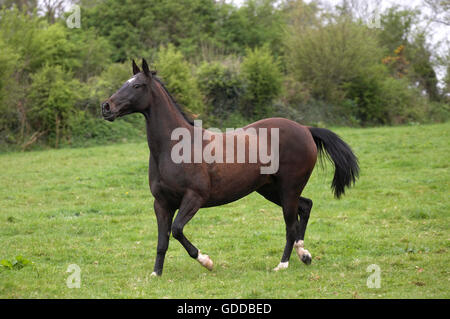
x=338, y=152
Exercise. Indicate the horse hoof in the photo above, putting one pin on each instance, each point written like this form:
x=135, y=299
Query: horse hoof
x=302, y=253
x=306, y=258
x=205, y=261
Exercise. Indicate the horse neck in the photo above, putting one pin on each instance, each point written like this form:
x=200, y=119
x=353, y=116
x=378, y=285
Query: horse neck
x=162, y=118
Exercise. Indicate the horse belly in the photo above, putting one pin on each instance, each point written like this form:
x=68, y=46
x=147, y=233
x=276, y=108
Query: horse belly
x=230, y=182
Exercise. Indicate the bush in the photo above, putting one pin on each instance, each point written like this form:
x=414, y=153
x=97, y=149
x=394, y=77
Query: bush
x=439, y=112
x=298, y=105
x=53, y=96
x=404, y=103
x=107, y=83
x=8, y=119
x=263, y=80
x=325, y=56
x=40, y=84
x=222, y=87
x=374, y=98
x=88, y=130
x=87, y=125
x=92, y=54
x=364, y=97
x=176, y=73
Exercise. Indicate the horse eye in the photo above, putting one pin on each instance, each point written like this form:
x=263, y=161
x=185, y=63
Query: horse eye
x=136, y=86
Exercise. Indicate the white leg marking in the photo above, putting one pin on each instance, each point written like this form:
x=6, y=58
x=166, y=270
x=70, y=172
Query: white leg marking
x=153, y=274
x=205, y=261
x=301, y=252
x=281, y=265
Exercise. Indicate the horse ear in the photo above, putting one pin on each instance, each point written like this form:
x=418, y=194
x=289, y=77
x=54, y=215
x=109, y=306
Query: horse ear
x=136, y=69
x=145, y=68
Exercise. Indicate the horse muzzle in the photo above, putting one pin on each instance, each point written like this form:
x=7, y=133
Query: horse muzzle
x=107, y=113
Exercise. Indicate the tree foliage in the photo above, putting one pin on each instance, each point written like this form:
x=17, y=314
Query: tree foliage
x=223, y=62
x=263, y=78
x=222, y=86
x=178, y=75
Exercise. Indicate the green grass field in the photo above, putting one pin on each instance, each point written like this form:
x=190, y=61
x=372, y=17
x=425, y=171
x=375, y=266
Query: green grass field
x=92, y=207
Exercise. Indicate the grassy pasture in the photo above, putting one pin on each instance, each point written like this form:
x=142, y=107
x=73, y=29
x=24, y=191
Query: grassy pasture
x=92, y=207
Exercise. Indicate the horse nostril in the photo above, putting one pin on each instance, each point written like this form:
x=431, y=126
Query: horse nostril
x=106, y=107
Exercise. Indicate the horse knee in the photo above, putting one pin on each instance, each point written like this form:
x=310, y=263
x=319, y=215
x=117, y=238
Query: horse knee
x=177, y=231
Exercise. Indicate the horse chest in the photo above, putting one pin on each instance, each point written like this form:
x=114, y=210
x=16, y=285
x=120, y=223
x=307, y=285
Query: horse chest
x=173, y=180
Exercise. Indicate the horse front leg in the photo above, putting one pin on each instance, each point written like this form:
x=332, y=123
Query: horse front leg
x=164, y=216
x=190, y=204
x=304, y=211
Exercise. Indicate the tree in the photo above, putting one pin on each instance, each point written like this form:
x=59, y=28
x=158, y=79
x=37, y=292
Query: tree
x=396, y=27
x=263, y=80
x=176, y=72
x=9, y=61
x=400, y=28
x=255, y=23
x=137, y=28
x=53, y=95
x=222, y=86
x=26, y=6
x=327, y=55
x=31, y=51
x=423, y=73
x=52, y=9
x=440, y=11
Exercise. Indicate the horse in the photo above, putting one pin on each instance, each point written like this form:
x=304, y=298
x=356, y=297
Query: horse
x=187, y=186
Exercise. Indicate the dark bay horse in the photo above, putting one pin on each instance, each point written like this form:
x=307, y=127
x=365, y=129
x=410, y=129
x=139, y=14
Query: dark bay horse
x=190, y=185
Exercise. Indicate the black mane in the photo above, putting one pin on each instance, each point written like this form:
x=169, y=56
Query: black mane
x=189, y=120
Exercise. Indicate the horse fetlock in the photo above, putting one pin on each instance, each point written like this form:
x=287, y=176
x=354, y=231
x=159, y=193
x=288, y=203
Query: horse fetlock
x=299, y=244
x=205, y=261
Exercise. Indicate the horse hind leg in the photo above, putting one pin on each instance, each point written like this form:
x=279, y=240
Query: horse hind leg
x=304, y=210
x=289, y=206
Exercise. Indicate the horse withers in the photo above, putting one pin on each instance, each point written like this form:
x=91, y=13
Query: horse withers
x=190, y=184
